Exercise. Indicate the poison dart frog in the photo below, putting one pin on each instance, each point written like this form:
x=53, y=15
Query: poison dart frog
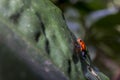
x=82, y=44
x=81, y=52
x=81, y=49
x=89, y=72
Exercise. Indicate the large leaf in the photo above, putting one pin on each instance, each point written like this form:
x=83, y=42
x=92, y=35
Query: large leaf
x=34, y=35
x=20, y=60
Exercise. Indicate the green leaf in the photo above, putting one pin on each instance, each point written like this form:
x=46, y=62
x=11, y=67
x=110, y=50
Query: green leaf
x=35, y=36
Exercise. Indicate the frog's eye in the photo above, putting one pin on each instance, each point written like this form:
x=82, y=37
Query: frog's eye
x=80, y=40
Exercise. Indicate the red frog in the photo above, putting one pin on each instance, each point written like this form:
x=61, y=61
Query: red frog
x=88, y=69
x=82, y=44
x=81, y=50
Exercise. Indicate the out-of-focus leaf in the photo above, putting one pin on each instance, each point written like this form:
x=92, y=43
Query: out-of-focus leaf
x=109, y=21
x=85, y=7
x=99, y=16
x=24, y=59
x=103, y=30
